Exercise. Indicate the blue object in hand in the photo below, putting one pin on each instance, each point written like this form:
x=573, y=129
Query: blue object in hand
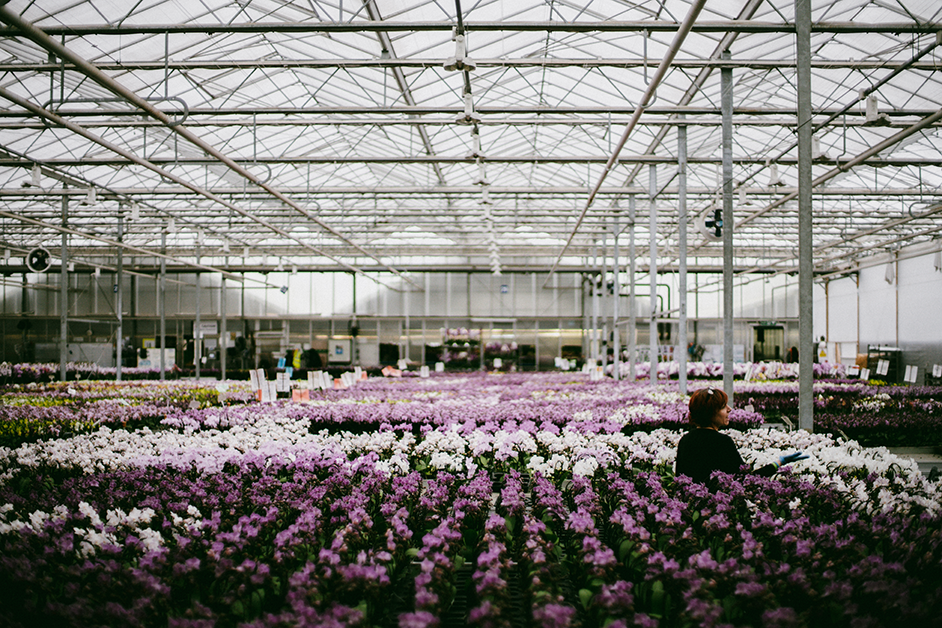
x=783, y=460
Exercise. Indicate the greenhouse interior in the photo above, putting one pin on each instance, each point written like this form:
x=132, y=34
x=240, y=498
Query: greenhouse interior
x=424, y=314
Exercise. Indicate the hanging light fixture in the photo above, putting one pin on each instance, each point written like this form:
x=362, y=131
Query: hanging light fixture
x=91, y=197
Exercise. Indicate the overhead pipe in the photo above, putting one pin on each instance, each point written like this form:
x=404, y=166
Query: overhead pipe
x=429, y=63
x=88, y=69
x=646, y=98
x=420, y=110
x=459, y=159
x=537, y=192
x=555, y=26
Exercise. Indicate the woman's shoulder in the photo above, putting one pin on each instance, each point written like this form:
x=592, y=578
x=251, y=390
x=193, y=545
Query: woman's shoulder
x=705, y=435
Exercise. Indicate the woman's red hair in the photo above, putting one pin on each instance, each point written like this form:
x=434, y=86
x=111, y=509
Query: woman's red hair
x=704, y=404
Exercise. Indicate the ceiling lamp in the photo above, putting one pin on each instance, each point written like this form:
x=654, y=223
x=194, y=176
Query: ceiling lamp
x=460, y=61
x=35, y=177
x=874, y=117
x=91, y=197
x=468, y=117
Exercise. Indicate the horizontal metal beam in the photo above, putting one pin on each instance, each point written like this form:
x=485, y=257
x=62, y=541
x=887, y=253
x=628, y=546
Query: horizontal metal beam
x=597, y=121
x=471, y=192
x=362, y=26
x=482, y=110
x=529, y=62
x=457, y=159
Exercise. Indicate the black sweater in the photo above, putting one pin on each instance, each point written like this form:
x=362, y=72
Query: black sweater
x=703, y=451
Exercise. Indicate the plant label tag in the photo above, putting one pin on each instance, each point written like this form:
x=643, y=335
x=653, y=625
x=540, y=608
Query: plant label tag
x=937, y=370
x=423, y=371
x=853, y=371
x=865, y=374
x=253, y=379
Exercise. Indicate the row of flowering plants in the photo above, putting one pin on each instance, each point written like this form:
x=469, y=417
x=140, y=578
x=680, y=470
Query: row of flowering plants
x=757, y=371
x=27, y=372
x=260, y=515
x=871, y=414
x=35, y=411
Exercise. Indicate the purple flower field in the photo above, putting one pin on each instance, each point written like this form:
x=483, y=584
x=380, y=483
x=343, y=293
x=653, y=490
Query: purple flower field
x=512, y=500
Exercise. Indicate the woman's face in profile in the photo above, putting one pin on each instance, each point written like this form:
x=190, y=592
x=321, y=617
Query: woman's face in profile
x=721, y=419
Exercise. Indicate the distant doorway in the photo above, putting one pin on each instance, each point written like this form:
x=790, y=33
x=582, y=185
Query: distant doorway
x=768, y=343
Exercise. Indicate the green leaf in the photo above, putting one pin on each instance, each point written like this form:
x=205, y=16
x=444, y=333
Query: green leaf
x=412, y=552
x=511, y=523
x=258, y=597
x=585, y=597
x=624, y=549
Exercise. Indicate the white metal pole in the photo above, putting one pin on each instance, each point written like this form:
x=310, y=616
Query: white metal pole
x=682, y=262
x=726, y=106
x=652, y=244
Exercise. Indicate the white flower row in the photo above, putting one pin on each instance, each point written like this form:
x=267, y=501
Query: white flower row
x=899, y=483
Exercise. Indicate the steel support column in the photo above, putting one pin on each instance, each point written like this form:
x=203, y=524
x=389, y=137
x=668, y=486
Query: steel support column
x=632, y=310
x=726, y=105
x=616, y=292
x=652, y=272
x=805, y=244
x=162, y=304
x=682, y=260
x=64, y=294
x=594, y=341
x=223, y=328
x=119, y=300
x=197, y=332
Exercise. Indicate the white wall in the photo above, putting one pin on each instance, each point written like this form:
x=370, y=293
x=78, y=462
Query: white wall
x=905, y=313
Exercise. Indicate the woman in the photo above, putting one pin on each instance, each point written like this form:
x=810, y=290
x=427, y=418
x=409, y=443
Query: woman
x=704, y=450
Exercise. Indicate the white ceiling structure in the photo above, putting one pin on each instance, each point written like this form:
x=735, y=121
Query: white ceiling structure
x=404, y=135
